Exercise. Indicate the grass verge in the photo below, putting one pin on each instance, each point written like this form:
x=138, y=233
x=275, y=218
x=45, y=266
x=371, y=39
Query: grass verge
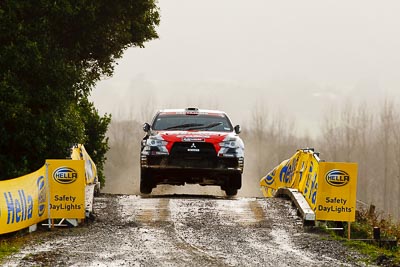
x=7, y=247
x=378, y=253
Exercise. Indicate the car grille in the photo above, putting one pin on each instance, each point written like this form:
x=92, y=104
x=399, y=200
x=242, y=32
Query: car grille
x=195, y=155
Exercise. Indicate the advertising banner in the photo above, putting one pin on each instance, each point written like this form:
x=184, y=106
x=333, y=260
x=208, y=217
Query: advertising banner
x=272, y=181
x=328, y=187
x=55, y=191
x=79, y=153
x=308, y=185
x=23, y=201
x=67, y=188
x=336, y=194
x=300, y=172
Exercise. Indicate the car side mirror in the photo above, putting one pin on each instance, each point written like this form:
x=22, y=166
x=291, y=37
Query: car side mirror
x=237, y=129
x=146, y=127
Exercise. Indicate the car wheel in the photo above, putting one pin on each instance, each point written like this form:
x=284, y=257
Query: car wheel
x=146, y=182
x=232, y=184
x=236, y=181
x=230, y=192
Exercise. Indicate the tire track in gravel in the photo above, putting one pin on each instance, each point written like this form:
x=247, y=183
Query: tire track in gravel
x=216, y=228
x=155, y=213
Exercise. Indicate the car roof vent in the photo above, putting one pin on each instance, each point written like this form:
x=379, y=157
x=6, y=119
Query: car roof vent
x=192, y=111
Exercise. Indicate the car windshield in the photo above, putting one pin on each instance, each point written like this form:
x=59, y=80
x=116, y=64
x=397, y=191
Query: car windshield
x=200, y=122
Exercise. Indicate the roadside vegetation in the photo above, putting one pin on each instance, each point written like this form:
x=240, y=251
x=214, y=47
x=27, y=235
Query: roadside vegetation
x=376, y=255
x=7, y=248
x=384, y=251
x=366, y=220
x=9, y=244
x=52, y=54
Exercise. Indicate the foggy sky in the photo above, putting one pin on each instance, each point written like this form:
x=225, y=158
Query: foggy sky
x=295, y=58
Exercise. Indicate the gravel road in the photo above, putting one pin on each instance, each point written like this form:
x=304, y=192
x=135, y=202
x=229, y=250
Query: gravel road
x=185, y=230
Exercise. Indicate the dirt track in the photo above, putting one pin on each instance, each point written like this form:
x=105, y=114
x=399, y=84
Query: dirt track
x=185, y=230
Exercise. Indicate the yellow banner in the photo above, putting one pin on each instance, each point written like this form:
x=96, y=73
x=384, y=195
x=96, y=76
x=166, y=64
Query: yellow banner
x=67, y=188
x=273, y=181
x=297, y=172
x=328, y=187
x=79, y=153
x=309, y=182
x=336, y=194
x=23, y=201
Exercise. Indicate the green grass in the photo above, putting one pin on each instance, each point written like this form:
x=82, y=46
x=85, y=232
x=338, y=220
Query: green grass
x=362, y=228
x=376, y=255
x=7, y=248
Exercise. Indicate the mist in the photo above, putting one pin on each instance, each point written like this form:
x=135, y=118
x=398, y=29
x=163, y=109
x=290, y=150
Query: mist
x=295, y=62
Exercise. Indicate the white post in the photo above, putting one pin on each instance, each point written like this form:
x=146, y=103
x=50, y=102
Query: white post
x=48, y=195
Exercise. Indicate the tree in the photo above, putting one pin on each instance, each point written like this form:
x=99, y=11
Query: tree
x=51, y=55
x=365, y=139
x=331, y=136
x=386, y=117
x=348, y=118
x=396, y=178
x=258, y=138
x=96, y=142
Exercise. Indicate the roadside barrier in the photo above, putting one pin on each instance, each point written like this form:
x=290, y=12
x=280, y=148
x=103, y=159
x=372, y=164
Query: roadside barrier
x=55, y=191
x=78, y=152
x=329, y=188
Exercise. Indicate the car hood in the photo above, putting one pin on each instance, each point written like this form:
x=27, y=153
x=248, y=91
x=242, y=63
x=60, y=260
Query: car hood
x=192, y=136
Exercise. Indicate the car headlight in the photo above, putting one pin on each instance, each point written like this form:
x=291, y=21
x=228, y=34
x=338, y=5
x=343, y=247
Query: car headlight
x=156, y=141
x=155, y=145
x=231, y=147
x=230, y=143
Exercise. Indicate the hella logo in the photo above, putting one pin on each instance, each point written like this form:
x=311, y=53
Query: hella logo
x=337, y=178
x=65, y=175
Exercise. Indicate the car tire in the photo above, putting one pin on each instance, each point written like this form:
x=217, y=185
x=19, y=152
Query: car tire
x=146, y=182
x=230, y=192
x=233, y=184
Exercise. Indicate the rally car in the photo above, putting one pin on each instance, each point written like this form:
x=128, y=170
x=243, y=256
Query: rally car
x=191, y=146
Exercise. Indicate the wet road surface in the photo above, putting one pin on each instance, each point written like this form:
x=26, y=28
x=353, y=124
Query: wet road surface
x=185, y=230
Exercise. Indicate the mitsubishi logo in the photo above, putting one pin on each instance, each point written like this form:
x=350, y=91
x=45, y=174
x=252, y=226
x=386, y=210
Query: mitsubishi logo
x=193, y=148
